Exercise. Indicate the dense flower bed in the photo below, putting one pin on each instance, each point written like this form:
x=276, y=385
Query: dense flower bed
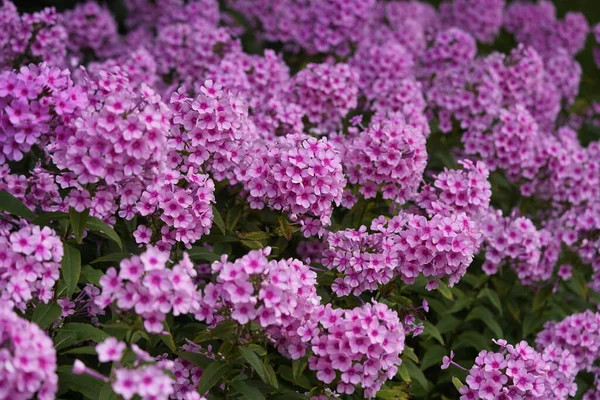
x=286, y=199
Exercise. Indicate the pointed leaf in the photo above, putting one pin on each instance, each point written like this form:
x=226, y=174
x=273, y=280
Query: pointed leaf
x=112, y=258
x=76, y=332
x=248, y=392
x=212, y=375
x=493, y=298
x=202, y=253
x=45, y=314
x=252, y=359
x=97, y=225
x=285, y=227
x=457, y=383
x=78, y=220
x=12, y=205
x=431, y=330
x=218, y=220
x=70, y=269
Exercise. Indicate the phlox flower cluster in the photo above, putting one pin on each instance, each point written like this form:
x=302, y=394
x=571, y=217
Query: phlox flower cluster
x=139, y=64
x=209, y=127
x=406, y=246
x=465, y=190
x=30, y=38
x=512, y=144
x=90, y=27
x=388, y=157
x=481, y=18
x=28, y=359
x=185, y=210
x=39, y=190
x=155, y=13
x=297, y=174
x=451, y=48
x=34, y=101
x=30, y=259
x=187, y=375
x=521, y=372
x=516, y=242
x=356, y=348
x=326, y=92
x=536, y=25
x=328, y=26
x=381, y=65
x=145, y=380
x=577, y=333
x=146, y=285
x=122, y=136
x=280, y=296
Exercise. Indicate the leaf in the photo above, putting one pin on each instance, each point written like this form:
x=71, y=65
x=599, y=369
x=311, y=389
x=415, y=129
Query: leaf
x=107, y=393
x=254, y=235
x=445, y=290
x=218, y=220
x=195, y=358
x=45, y=314
x=78, y=220
x=472, y=339
x=97, y=225
x=248, y=392
x=396, y=393
x=252, y=244
x=76, y=332
x=71, y=268
x=202, y=253
x=433, y=356
x=403, y=373
x=112, y=258
x=447, y=324
x=271, y=376
x=486, y=316
x=91, y=275
x=457, y=383
x=223, y=331
x=298, y=367
x=541, y=297
x=430, y=329
x=285, y=227
x=211, y=376
x=84, y=384
x=169, y=342
x=416, y=374
x=257, y=349
x=14, y=206
x=88, y=350
x=409, y=352
x=46, y=218
x=492, y=297
x=252, y=359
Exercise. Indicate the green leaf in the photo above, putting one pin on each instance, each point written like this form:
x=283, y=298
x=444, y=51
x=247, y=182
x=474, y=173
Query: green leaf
x=492, y=297
x=457, y=383
x=473, y=340
x=76, y=332
x=112, y=258
x=416, y=374
x=271, y=376
x=541, y=297
x=486, y=316
x=285, y=227
x=169, y=342
x=218, y=220
x=394, y=393
x=252, y=244
x=78, y=220
x=45, y=314
x=14, y=206
x=254, y=235
x=88, y=350
x=257, y=349
x=445, y=290
x=195, y=358
x=107, y=393
x=433, y=356
x=202, y=253
x=409, y=353
x=432, y=331
x=224, y=331
x=70, y=269
x=97, y=225
x=84, y=384
x=212, y=375
x=45, y=218
x=403, y=373
x=252, y=359
x=298, y=367
x=91, y=275
x=248, y=392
